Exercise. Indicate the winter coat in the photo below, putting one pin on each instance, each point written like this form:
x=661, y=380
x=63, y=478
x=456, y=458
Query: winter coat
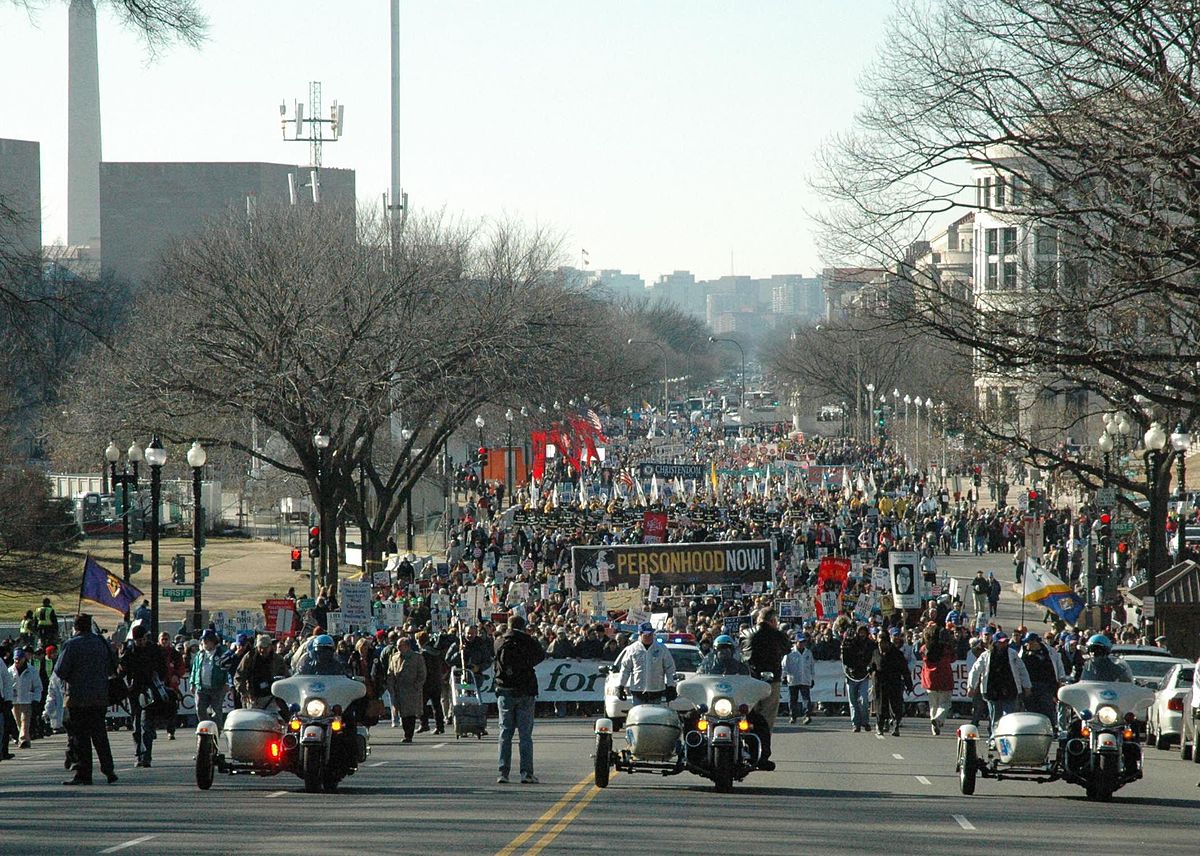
x=764, y=649
x=645, y=669
x=798, y=668
x=977, y=680
x=406, y=682
x=517, y=655
x=891, y=671
x=937, y=675
x=84, y=665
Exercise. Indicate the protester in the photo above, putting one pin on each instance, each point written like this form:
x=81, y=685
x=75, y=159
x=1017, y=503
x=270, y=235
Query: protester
x=406, y=683
x=516, y=690
x=85, y=665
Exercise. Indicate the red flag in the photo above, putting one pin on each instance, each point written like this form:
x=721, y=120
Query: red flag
x=654, y=527
x=537, y=442
x=833, y=573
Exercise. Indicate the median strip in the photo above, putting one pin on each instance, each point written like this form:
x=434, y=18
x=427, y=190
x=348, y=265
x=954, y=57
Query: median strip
x=550, y=814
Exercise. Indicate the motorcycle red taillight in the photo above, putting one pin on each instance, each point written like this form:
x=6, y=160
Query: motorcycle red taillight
x=1175, y=704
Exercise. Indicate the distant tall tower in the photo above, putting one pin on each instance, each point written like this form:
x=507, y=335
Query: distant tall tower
x=83, y=126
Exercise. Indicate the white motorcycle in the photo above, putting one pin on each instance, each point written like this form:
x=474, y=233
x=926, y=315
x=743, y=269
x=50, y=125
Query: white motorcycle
x=714, y=739
x=1097, y=750
x=315, y=741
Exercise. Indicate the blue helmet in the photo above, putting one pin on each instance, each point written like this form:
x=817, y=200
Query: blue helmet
x=323, y=641
x=1099, y=640
x=723, y=639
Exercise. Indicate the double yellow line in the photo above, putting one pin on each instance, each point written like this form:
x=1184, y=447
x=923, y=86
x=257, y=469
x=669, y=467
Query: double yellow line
x=579, y=794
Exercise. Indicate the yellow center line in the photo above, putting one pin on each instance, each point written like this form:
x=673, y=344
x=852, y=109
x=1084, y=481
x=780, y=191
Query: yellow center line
x=549, y=814
x=564, y=821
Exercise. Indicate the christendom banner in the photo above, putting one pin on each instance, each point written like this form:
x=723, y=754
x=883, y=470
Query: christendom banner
x=715, y=562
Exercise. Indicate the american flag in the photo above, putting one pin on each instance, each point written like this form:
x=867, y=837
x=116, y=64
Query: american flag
x=594, y=420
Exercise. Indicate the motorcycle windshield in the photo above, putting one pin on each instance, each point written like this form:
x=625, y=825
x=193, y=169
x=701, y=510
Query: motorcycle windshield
x=1090, y=695
x=333, y=689
x=740, y=689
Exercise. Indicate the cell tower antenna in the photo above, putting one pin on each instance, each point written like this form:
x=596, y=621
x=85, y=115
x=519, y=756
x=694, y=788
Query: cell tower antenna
x=309, y=125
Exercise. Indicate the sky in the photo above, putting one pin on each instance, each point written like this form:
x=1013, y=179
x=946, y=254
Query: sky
x=658, y=135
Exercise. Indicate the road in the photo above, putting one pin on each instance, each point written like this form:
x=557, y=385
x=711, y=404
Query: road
x=834, y=792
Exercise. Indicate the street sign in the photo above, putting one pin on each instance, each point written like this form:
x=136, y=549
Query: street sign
x=1148, y=606
x=179, y=594
x=1106, y=497
x=1122, y=527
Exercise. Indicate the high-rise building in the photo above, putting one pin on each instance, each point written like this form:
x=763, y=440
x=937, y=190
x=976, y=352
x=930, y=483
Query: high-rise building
x=144, y=206
x=21, y=198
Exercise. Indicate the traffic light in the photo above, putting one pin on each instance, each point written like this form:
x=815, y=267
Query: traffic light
x=1035, y=502
x=1122, y=558
x=1105, y=529
x=483, y=458
x=296, y=559
x=314, y=542
x=179, y=570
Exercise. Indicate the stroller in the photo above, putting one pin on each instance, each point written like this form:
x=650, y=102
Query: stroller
x=470, y=714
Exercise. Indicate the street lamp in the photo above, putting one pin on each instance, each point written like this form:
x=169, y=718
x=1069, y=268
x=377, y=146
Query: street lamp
x=659, y=345
x=508, y=456
x=196, y=458
x=738, y=345
x=156, y=456
x=929, y=431
x=321, y=442
x=1181, y=441
x=1155, y=439
x=136, y=456
x=409, y=530
x=867, y=415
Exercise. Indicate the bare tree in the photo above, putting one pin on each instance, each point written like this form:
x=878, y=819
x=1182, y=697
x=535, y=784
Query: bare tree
x=1071, y=122
x=158, y=22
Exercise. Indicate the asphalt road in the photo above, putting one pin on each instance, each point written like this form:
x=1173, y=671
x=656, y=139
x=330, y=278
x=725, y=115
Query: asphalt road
x=834, y=792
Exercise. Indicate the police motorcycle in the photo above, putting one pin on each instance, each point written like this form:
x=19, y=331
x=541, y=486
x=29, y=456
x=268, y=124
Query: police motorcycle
x=310, y=734
x=705, y=730
x=1097, y=750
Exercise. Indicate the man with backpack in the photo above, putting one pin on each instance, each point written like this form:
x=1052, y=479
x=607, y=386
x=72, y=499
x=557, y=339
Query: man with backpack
x=517, y=656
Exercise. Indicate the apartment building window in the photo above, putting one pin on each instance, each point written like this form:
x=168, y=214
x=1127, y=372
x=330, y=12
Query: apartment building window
x=999, y=191
x=992, y=271
x=1010, y=241
x=987, y=192
x=990, y=240
x=1016, y=191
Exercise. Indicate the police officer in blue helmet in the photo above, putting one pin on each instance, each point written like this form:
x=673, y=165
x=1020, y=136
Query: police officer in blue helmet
x=322, y=659
x=1100, y=665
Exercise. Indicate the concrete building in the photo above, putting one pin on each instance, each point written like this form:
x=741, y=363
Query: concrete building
x=21, y=193
x=144, y=206
x=620, y=286
x=681, y=289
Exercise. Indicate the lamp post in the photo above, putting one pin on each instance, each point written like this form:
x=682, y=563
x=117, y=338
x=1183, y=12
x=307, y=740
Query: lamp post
x=907, y=401
x=112, y=454
x=868, y=414
x=845, y=413
x=917, y=434
x=321, y=441
x=1155, y=439
x=479, y=423
x=738, y=345
x=1181, y=441
x=409, y=532
x=156, y=456
x=662, y=348
x=196, y=458
x=929, y=431
x=508, y=456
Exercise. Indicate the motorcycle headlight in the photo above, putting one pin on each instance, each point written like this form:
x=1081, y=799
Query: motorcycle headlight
x=315, y=707
x=722, y=707
x=1106, y=714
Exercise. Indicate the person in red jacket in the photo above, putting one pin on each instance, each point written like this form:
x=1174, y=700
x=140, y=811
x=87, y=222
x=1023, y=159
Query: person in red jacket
x=937, y=673
x=175, y=672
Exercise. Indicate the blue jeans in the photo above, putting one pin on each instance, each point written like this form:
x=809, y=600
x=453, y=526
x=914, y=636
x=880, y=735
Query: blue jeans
x=998, y=708
x=213, y=700
x=860, y=702
x=516, y=714
x=794, y=709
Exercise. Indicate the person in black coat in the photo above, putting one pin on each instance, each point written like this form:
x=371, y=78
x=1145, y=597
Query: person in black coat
x=892, y=679
x=142, y=665
x=517, y=656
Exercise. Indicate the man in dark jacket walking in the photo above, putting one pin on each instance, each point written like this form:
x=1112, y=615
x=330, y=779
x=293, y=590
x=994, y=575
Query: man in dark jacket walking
x=857, y=652
x=143, y=665
x=765, y=649
x=892, y=679
x=517, y=655
x=85, y=665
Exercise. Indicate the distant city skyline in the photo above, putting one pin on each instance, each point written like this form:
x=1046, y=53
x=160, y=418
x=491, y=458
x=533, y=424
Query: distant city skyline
x=659, y=136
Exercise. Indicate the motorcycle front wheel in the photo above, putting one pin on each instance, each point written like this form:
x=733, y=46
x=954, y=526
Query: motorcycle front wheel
x=723, y=769
x=314, y=771
x=1103, y=781
x=968, y=767
x=603, y=762
x=206, y=762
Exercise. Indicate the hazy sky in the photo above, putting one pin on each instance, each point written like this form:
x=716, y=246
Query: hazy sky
x=657, y=134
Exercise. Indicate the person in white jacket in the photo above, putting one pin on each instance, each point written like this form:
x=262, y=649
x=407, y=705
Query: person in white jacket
x=647, y=668
x=1000, y=677
x=6, y=697
x=798, y=670
x=27, y=688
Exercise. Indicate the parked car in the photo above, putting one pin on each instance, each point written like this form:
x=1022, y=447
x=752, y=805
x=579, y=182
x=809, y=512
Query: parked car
x=1149, y=669
x=1188, y=727
x=1165, y=721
